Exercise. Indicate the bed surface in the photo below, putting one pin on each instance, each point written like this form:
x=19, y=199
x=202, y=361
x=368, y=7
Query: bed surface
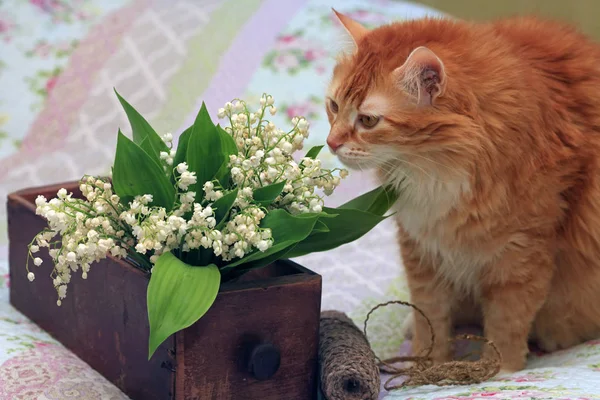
x=59, y=61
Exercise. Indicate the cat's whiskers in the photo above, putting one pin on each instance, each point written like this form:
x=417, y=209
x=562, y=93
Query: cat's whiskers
x=360, y=167
x=403, y=161
x=427, y=174
x=458, y=171
x=393, y=170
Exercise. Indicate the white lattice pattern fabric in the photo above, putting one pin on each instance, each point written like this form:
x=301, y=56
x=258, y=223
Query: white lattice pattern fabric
x=59, y=118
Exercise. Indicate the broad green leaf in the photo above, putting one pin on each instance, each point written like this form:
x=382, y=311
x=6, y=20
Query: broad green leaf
x=285, y=226
x=229, y=147
x=178, y=295
x=320, y=227
x=182, y=146
x=223, y=205
x=135, y=174
x=141, y=129
x=322, y=214
x=377, y=201
x=257, y=255
x=267, y=194
x=223, y=175
x=145, y=145
x=204, y=152
x=287, y=229
x=126, y=199
x=347, y=226
x=314, y=152
x=263, y=262
x=199, y=257
x=181, y=153
x=227, y=143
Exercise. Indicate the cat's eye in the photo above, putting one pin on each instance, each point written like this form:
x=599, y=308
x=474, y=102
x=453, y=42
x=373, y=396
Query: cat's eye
x=333, y=106
x=368, y=121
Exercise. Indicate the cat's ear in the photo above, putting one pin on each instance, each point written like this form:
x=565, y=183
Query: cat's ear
x=354, y=29
x=422, y=75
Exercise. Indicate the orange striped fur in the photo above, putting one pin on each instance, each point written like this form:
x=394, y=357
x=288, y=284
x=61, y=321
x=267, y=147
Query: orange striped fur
x=492, y=132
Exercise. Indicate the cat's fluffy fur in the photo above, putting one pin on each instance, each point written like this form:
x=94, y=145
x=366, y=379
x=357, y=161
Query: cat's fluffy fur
x=492, y=133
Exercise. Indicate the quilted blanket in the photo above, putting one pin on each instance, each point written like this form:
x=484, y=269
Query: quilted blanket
x=59, y=62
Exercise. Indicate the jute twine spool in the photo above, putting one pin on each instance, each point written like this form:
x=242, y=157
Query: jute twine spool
x=350, y=369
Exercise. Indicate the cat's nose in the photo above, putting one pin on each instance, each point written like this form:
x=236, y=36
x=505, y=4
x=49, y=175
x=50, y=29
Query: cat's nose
x=334, y=143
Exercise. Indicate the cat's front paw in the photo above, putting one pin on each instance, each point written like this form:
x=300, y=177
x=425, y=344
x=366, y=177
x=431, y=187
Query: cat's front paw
x=512, y=360
x=550, y=343
x=550, y=336
x=503, y=373
x=512, y=366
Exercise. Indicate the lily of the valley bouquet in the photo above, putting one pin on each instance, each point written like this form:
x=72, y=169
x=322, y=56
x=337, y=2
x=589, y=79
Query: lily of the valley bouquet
x=223, y=202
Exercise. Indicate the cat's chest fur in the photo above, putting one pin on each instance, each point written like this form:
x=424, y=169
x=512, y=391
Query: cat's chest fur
x=428, y=214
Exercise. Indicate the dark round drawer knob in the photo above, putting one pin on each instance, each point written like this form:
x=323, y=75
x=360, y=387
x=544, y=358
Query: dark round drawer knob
x=264, y=361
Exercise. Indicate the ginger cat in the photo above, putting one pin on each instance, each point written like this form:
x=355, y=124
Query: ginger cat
x=492, y=133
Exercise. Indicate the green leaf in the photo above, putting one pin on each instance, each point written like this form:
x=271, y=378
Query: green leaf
x=377, y=201
x=347, y=226
x=223, y=175
x=223, y=206
x=314, y=152
x=181, y=153
x=227, y=143
x=145, y=145
x=320, y=227
x=286, y=229
x=182, y=146
x=199, y=257
x=126, y=199
x=267, y=194
x=141, y=129
x=285, y=226
x=178, y=295
x=229, y=147
x=204, y=152
x=136, y=174
x=262, y=262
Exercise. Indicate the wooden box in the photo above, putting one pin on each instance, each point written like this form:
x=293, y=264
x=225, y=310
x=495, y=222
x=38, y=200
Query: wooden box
x=258, y=341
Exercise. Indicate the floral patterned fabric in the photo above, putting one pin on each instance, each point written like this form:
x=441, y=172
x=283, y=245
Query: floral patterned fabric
x=37, y=37
x=565, y=375
x=35, y=366
x=59, y=62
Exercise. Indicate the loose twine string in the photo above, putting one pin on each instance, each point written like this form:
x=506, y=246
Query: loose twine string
x=423, y=372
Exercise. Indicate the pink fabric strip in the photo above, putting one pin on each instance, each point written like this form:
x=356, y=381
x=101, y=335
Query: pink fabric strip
x=51, y=127
x=243, y=58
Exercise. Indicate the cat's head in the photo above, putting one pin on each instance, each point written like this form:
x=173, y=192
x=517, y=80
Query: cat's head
x=392, y=104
